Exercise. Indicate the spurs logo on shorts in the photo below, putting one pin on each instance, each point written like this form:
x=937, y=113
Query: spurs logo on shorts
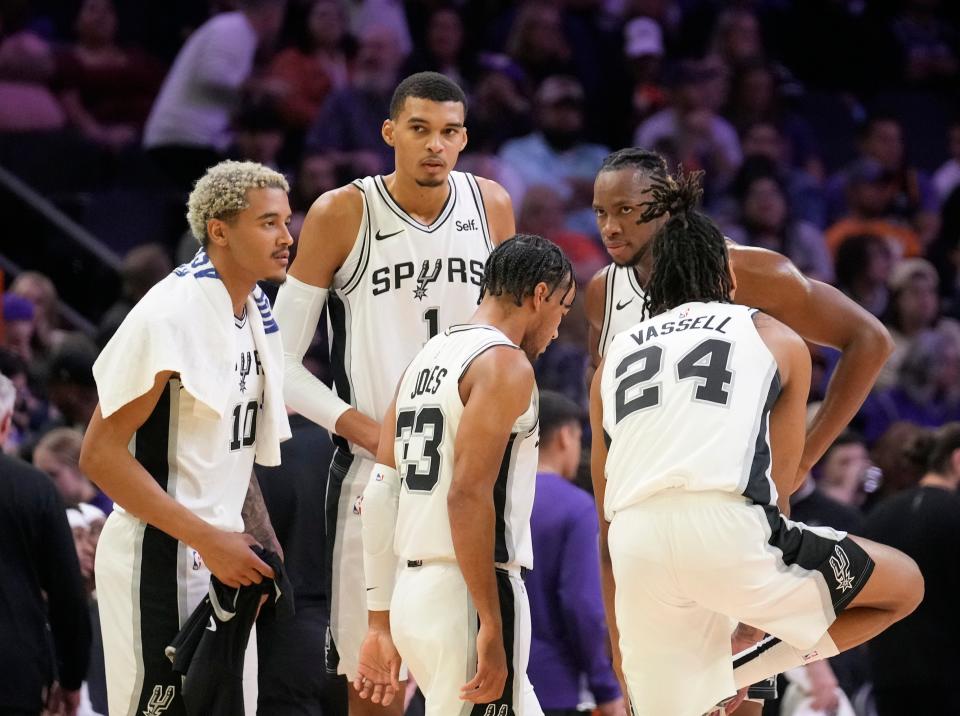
x=160, y=700
x=493, y=711
x=840, y=564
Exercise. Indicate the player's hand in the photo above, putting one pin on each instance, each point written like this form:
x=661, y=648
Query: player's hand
x=737, y=700
x=487, y=685
x=823, y=687
x=378, y=671
x=62, y=702
x=229, y=558
x=617, y=707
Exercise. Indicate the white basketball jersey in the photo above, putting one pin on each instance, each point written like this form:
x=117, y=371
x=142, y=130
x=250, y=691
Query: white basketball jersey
x=402, y=284
x=428, y=417
x=204, y=461
x=623, y=303
x=686, y=401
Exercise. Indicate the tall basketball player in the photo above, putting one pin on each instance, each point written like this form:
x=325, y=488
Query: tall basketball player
x=399, y=258
x=698, y=423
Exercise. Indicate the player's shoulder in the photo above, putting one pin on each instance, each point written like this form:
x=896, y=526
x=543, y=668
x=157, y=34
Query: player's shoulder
x=776, y=332
x=494, y=195
x=596, y=291
x=503, y=365
x=338, y=204
x=755, y=262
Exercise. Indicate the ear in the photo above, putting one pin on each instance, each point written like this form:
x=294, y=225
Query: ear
x=387, y=130
x=540, y=294
x=463, y=143
x=216, y=231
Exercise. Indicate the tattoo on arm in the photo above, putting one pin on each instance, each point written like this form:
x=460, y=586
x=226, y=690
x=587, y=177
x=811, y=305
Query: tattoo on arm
x=256, y=519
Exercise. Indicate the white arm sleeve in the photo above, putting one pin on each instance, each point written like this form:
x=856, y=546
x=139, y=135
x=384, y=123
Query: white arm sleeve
x=378, y=515
x=297, y=311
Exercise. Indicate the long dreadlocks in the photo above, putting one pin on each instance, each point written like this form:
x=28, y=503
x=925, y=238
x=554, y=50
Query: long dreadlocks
x=690, y=261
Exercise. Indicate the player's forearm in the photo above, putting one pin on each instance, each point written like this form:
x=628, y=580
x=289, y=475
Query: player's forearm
x=129, y=485
x=609, y=599
x=472, y=520
x=256, y=519
x=855, y=374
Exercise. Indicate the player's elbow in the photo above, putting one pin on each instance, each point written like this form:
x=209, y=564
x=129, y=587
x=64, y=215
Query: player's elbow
x=877, y=340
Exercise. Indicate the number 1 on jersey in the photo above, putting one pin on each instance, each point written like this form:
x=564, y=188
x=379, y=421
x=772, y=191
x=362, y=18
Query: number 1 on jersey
x=432, y=317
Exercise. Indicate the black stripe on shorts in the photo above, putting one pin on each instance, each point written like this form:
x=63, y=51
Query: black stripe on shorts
x=505, y=705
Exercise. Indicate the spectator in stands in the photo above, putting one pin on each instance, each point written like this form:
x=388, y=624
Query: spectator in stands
x=30, y=412
x=804, y=194
x=8, y=401
x=764, y=220
x=500, y=106
x=70, y=384
x=258, y=135
x=349, y=122
x=556, y=154
x=301, y=77
x=541, y=213
x=927, y=44
x=643, y=49
x=569, y=641
x=845, y=474
x=927, y=391
x=444, y=47
x=871, y=191
x=19, y=317
x=737, y=38
x=895, y=461
x=43, y=594
x=947, y=177
x=862, y=270
x=142, y=268
x=702, y=139
x=189, y=127
x=945, y=255
x=913, y=200
x=318, y=173
x=58, y=455
x=916, y=662
x=27, y=68
x=40, y=291
x=914, y=307
x=106, y=89
x=537, y=42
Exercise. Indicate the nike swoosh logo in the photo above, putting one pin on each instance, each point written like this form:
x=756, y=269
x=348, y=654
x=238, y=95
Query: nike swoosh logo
x=623, y=304
x=212, y=626
x=369, y=589
x=381, y=237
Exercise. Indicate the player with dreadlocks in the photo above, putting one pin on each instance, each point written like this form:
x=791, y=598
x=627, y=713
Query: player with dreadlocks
x=698, y=426
x=452, y=493
x=765, y=280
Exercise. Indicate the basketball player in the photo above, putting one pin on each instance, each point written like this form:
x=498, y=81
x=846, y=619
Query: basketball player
x=452, y=496
x=765, y=280
x=190, y=390
x=400, y=258
x=698, y=426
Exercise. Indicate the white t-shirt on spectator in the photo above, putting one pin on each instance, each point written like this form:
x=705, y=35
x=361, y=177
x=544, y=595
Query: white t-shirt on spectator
x=202, y=89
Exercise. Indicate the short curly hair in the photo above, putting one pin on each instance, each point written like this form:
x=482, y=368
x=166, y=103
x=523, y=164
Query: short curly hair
x=221, y=193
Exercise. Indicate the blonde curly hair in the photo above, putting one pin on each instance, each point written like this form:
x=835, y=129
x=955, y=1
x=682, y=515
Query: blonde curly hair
x=221, y=193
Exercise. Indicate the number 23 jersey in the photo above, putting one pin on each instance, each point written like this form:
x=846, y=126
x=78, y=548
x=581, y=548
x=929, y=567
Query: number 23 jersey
x=429, y=410
x=402, y=283
x=686, y=404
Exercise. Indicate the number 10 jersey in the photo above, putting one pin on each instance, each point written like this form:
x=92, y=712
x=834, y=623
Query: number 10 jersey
x=402, y=283
x=686, y=404
x=429, y=409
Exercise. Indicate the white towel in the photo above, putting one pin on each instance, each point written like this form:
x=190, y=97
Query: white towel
x=184, y=324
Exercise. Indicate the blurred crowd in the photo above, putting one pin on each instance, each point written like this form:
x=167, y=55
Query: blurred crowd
x=829, y=130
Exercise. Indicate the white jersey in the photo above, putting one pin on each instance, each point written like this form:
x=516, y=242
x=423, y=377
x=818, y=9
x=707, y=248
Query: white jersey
x=203, y=461
x=402, y=284
x=686, y=401
x=623, y=303
x=428, y=417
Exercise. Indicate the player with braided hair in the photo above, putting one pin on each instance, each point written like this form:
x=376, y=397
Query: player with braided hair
x=698, y=418
x=452, y=493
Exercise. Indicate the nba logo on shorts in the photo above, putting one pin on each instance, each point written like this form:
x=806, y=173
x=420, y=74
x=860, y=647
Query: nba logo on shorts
x=197, y=561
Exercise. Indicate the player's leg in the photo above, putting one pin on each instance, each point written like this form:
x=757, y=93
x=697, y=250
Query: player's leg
x=675, y=654
x=840, y=592
x=434, y=627
x=139, y=599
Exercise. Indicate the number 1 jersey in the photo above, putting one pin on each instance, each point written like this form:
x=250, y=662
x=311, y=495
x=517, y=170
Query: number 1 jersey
x=402, y=283
x=429, y=409
x=686, y=404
